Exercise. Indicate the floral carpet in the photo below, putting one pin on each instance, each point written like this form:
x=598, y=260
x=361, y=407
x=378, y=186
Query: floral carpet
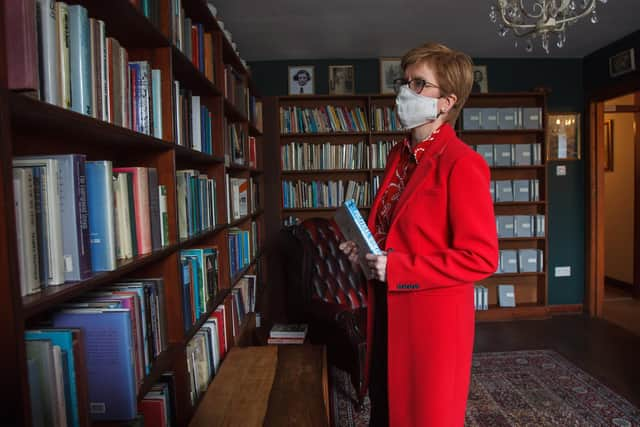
x=520, y=388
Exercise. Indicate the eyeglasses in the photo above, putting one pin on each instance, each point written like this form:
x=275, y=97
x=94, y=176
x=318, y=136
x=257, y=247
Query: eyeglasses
x=416, y=85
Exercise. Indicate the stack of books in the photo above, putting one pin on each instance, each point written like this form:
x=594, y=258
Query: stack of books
x=288, y=333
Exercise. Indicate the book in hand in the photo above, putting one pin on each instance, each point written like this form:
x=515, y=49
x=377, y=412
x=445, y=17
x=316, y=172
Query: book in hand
x=355, y=228
x=289, y=330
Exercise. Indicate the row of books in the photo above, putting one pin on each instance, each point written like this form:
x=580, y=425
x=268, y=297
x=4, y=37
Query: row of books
x=75, y=217
x=480, y=298
x=194, y=122
x=515, y=190
x=80, y=68
x=384, y=119
x=238, y=203
x=92, y=355
x=196, y=202
x=506, y=296
x=305, y=156
x=520, y=226
x=506, y=155
x=520, y=261
x=324, y=194
x=198, y=45
x=380, y=152
x=330, y=118
x=235, y=90
x=207, y=348
x=242, y=247
x=200, y=282
x=501, y=118
x=255, y=112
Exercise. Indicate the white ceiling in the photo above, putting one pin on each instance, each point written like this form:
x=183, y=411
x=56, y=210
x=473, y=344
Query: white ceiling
x=332, y=29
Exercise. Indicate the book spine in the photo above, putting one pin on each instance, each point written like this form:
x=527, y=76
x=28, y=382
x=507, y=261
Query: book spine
x=84, y=246
x=63, y=54
x=80, y=60
x=154, y=210
x=156, y=83
x=164, y=215
x=362, y=225
x=101, y=215
x=47, y=29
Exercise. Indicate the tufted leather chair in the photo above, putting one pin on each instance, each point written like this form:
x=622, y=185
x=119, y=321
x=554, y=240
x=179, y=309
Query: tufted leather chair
x=327, y=292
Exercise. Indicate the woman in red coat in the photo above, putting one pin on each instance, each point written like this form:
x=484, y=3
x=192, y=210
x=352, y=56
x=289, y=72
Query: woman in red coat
x=433, y=217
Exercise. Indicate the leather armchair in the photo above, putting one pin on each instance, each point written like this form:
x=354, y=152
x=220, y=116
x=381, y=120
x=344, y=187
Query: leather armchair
x=324, y=290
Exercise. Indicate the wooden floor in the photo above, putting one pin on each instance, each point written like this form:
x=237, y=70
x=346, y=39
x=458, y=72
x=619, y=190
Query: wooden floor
x=606, y=351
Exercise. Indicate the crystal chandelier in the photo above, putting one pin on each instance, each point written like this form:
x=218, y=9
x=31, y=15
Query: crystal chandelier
x=546, y=19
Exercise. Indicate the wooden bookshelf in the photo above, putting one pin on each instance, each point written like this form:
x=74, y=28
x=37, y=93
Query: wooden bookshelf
x=29, y=126
x=530, y=288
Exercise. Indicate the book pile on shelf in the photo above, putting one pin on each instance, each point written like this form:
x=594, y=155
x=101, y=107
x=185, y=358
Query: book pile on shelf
x=76, y=217
x=329, y=118
x=255, y=112
x=196, y=200
x=254, y=190
x=77, y=67
x=243, y=301
x=193, y=121
x=305, y=156
x=238, y=192
x=510, y=226
x=235, y=140
x=293, y=333
x=92, y=357
x=200, y=282
x=324, y=194
x=240, y=249
x=235, y=90
x=480, y=298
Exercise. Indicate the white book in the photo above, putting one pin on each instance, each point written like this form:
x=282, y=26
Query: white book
x=195, y=123
x=59, y=378
x=103, y=64
x=124, y=245
x=95, y=60
x=177, y=113
x=62, y=33
x=51, y=186
x=48, y=37
x=26, y=231
x=164, y=215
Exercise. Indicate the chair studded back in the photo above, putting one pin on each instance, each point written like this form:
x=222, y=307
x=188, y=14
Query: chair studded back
x=330, y=273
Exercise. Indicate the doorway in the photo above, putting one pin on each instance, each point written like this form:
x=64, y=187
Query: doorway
x=614, y=210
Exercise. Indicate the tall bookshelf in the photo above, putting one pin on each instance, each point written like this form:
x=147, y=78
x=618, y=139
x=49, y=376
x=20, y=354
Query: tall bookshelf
x=29, y=126
x=530, y=288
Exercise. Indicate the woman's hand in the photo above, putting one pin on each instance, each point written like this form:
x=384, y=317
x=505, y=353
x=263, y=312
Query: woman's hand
x=378, y=266
x=350, y=249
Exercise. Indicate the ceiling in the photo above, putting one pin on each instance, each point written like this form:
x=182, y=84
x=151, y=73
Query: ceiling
x=351, y=29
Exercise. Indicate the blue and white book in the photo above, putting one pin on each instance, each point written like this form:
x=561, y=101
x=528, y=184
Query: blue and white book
x=80, y=60
x=102, y=233
x=110, y=361
x=156, y=96
x=354, y=228
x=64, y=339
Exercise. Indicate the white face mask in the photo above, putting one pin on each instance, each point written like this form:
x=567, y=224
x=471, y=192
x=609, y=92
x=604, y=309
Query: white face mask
x=415, y=110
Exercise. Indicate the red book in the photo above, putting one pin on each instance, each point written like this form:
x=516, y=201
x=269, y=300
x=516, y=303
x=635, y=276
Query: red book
x=195, y=51
x=253, y=162
x=153, y=412
x=219, y=314
x=21, y=44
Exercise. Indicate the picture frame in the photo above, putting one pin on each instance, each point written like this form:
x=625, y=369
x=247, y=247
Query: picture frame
x=301, y=80
x=608, y=146
x=563, y=136
x=341, y=80
x=390, y=69
x=480, y=82
x=622, y=63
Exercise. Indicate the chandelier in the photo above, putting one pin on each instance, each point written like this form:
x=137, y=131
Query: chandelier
x=544, y=19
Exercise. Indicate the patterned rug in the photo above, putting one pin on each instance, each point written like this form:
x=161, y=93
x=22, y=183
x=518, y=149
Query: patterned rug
x=520, y=388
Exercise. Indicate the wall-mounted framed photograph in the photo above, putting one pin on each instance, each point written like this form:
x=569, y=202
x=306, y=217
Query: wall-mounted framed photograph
x=390, y=70
x=480, y=83
x=608, y=146
x=301, y=80
x=622, y=63
x=341, y=80
x=563, y=136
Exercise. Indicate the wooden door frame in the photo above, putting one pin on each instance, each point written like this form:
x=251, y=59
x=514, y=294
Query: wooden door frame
x=595, y=197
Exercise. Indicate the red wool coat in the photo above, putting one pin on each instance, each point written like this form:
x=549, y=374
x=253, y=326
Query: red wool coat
x=441, y=240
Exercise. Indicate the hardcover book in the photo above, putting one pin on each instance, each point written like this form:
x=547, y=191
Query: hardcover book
x=354, y=228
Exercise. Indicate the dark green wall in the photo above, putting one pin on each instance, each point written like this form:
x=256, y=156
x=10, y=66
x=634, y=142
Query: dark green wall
x=566, y=194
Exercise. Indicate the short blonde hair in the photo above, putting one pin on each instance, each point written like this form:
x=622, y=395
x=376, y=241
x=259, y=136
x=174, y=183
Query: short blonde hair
x=453, y=69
